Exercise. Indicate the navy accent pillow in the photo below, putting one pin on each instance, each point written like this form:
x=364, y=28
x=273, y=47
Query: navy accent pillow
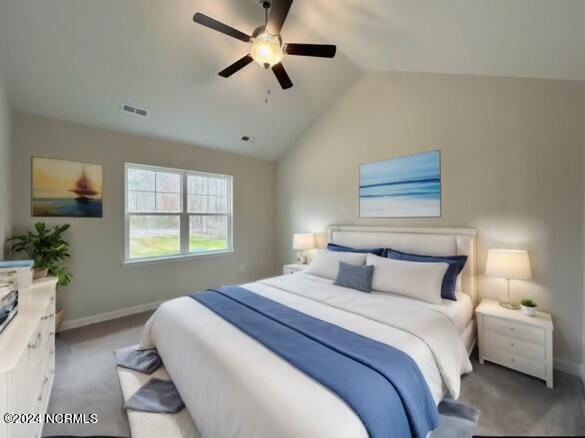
x=456, y=265
x=341, y=248
x=355, y=276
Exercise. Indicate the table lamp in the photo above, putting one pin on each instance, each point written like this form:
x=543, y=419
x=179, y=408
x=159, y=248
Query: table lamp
x=511, y=264
x=302, y=242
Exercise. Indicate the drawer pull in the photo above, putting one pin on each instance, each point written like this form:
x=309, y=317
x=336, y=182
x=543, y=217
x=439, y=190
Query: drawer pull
x=35, y=344
x=52, y=299
x=511, y=344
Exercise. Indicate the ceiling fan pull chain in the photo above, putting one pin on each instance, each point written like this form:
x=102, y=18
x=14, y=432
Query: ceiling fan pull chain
x=267, y=87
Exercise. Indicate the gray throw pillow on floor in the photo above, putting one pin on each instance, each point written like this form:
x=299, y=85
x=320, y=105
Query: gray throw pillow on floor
x=355, y=276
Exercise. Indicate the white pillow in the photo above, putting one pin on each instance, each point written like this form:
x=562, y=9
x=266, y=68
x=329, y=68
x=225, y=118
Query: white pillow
x=458, y=284
x=326, y=263
x=418, y=280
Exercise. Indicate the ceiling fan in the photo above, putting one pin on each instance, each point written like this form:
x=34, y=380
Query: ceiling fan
x=266, y=46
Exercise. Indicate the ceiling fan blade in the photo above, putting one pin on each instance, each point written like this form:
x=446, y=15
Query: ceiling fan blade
x=282, y=76
x=220, y=27
x=278, y=12
x=318, y=50
x=236, y=66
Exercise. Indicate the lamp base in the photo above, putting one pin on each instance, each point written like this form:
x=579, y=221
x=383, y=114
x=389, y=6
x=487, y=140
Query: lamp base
x=510, y=306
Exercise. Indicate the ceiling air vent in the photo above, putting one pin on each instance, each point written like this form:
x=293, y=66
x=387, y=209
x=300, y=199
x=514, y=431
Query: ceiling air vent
x=134, y=110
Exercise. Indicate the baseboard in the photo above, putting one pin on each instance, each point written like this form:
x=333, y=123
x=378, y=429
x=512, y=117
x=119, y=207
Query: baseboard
x=101, y=317
x=574, y=368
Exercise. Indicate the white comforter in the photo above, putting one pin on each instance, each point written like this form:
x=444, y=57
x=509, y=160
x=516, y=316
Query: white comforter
x=235, y=387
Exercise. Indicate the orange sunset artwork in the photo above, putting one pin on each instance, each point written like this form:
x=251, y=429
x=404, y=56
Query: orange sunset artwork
x=66, y=188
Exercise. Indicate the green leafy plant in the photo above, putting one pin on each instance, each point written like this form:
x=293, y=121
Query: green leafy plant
x=47, y=248
x=528, y=303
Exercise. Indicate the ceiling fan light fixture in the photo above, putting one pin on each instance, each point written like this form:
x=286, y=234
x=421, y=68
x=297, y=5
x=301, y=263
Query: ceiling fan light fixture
x=267, y=50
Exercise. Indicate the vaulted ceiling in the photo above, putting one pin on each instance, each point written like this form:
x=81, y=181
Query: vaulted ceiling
x=518, y=38
x=80, y=60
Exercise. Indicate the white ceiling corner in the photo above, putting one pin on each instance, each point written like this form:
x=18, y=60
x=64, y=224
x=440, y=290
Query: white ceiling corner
x=515, y=38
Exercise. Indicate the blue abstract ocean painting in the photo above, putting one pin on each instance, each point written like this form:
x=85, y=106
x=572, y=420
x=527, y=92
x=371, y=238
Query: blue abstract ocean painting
x=402, y=187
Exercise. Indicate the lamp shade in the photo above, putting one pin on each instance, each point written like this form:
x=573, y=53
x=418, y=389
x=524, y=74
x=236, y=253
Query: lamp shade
x=303, y=241
x=512, y=264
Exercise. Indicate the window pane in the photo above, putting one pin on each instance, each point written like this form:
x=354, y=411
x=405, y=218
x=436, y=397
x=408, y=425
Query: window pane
x=168, y=182
x=143, y=202
x=140, y=179
x=208, y=233
x=197, y=203
x=207, y=194
x=154, y=236
x=168, y=203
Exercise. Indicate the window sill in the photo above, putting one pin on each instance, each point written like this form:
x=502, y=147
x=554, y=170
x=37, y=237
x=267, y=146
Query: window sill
x=177, y=258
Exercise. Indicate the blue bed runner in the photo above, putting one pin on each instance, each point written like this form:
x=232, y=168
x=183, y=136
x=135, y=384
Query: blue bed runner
x=383, y=385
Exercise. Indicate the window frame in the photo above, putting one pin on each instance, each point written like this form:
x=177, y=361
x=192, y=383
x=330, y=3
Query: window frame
x=184, y=215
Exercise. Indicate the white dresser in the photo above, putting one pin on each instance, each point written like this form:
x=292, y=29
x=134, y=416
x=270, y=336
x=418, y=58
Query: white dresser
x=27, y=359
x=514, y=340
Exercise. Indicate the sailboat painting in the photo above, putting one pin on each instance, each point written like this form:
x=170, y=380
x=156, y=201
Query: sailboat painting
x=402, y=187
x=66, y=188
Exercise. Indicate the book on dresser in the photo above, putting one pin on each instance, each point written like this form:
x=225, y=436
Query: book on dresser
x=27, y=359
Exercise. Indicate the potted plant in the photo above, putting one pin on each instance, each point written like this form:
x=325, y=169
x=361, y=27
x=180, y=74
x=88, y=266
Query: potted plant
x=528, y=307
x=49, y=251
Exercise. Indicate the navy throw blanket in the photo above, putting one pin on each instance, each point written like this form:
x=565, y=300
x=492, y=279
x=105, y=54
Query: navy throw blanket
x=383, y=385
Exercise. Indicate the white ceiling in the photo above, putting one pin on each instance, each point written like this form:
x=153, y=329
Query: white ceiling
x=522, y=38
x=79, y=60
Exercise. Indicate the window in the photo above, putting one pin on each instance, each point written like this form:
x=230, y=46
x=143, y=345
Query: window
x=174, y=213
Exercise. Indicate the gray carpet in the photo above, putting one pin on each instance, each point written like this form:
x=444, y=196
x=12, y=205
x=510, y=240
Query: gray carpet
x=510, y=403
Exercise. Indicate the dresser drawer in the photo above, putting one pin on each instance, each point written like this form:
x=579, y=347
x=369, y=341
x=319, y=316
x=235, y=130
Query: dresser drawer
x=525, y=349
x=514, y=330
x=532, y=367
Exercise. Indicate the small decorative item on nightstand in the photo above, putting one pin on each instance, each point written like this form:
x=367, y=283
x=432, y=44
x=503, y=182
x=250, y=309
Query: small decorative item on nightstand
x=528, y=307
x=292, y=268
x=511, y=264
x=302, y=242
x=509, y=338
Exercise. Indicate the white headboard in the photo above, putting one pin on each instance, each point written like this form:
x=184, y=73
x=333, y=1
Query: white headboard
x=427, y=241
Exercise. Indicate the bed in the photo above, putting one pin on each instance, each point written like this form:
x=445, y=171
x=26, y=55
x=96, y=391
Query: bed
x=234, y=386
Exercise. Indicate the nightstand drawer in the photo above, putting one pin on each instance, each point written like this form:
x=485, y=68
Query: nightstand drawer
x=515, y=330
x=518, y=363
x=525, y=349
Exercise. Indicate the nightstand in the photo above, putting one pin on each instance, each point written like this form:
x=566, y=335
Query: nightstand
x=292, y=268
x=509, y=338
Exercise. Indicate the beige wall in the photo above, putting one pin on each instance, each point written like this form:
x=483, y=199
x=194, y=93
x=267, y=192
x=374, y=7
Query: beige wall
x=512, y=157
x=100, y=283
x=5, y=181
